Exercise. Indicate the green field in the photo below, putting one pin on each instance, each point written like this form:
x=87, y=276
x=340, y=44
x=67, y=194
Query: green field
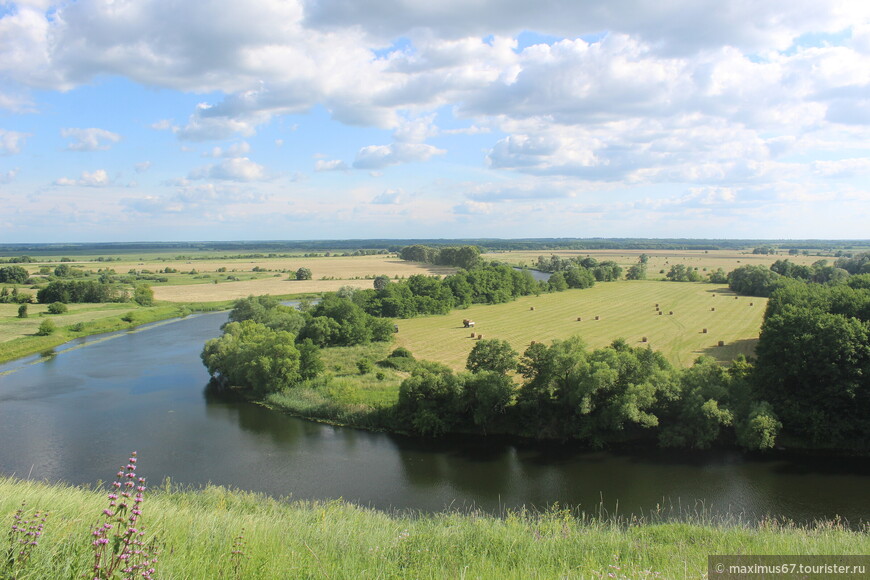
x=197, y=532
x=626, y=310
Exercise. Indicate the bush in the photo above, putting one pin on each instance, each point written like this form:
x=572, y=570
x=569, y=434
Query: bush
x=57, y=308
x=22, y=311
x=401, y=352
x=365, y=366
x=46, y=327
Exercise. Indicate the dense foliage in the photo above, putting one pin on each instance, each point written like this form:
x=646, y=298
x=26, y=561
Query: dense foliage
x=566, y=391
x=267, y=346
x=421, y=295
x=70, y=291
x=814, y=362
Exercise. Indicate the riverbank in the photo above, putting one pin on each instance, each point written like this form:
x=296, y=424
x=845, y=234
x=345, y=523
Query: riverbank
x=198, y=531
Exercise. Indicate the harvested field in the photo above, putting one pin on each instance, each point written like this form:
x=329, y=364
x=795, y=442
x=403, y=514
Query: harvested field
x=626, y=310
x=662, y=259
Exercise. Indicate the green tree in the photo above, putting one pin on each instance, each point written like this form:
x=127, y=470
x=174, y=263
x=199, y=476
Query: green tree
x=486, y=396
x=46, y=327
x=310, y=363
x=13, y=275
x=22, y=311
x=303, y=274
x=381, y=282
x=753, y=280
x=143, y=295
x=430, y=399
x=253, y=356
x=57, y=308
x=557, y=282
x=492, y=354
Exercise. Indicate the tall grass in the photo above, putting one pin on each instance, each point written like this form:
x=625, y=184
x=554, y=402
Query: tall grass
x=219, y=533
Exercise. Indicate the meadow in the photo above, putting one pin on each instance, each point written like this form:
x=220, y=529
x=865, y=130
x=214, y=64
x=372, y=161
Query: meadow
x=661, y=261
x=626, y=309
x=214, y=532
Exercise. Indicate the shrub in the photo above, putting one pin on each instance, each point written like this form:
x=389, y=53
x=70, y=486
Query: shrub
x=46, y=327
x=22, y=311
x=57, y=308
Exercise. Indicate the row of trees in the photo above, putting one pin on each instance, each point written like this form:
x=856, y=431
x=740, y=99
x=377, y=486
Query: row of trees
x=605, y=271
x=567, y=391
x=465, y=257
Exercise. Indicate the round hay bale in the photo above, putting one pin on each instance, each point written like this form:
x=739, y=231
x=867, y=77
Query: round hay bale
x=704, y=331
x=660, y=312
x=713, y=309
x=531, y=308
x=533, y=343
x=472, y=335
x=579, y=318
x=736, y=297
x=597, y=318
x=643, y=339
x=752, y=303
x=479, y=336
x=671, y=312
x=721, y=343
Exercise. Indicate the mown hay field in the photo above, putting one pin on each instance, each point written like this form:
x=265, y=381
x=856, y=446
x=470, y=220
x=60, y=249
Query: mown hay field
x=328, y=275
x=661, y=259
x=627, y=309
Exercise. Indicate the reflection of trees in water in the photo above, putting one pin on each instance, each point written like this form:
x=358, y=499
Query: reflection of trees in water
x=226, y=404
x=484, y=469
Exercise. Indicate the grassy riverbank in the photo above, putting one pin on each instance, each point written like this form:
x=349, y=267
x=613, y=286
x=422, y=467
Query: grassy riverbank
x=287, y=539
x=18, y=337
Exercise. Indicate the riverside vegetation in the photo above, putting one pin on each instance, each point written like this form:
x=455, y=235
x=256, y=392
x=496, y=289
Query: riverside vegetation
x=808, y=386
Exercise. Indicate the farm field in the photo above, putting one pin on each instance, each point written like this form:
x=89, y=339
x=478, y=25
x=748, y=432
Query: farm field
x=661, y=259
x=626, y=310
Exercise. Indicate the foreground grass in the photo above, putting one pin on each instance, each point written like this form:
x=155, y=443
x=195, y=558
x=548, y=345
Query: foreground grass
x=285, y=539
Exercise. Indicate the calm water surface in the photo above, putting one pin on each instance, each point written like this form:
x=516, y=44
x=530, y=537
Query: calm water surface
x=76, y=415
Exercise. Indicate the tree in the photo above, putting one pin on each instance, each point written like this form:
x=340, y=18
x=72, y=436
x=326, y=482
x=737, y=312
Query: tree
x=486, y=395
x=143, y=295
x=381, y=282
x=753, y=280
x=22, y=311
x=57, y=308
x=253, y=356
x=429, y=400
x=492, y=354
x=812, y=367
x=46, y=327
x=303, y=274
x=13, y=275
x=557, y=282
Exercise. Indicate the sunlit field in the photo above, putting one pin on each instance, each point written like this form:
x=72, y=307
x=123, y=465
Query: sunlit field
x=662, y=260
x=626, y=309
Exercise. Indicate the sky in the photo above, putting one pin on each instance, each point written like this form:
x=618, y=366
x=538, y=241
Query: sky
x=173, y=120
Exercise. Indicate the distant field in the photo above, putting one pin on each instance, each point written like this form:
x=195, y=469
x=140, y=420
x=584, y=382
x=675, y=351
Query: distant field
x=328, y=275
x=662, y=259
x=627, y=310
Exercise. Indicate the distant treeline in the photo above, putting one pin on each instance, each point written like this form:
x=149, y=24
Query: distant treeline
x=395, y=245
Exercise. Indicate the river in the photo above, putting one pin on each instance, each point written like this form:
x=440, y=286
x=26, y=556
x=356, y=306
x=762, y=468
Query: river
x=74, y=416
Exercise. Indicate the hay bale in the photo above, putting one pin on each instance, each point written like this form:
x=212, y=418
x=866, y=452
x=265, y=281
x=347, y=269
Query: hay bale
x=660, y=312
x=721, y=343
x=713, y=309
x=643, y=339
x=579, y=318
x=657, y=304
x=752, y=303
x=472, y=335
x=533, y=343
x=671, y=312
x=479, y=336
x=704, y=331
x=736, y=297
x=597, y=318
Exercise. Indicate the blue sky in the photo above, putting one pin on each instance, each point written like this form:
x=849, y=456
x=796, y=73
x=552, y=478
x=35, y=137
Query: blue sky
x=292, y=119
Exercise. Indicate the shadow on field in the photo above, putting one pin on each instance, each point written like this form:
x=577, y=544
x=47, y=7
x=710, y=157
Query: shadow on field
x=731, y=349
